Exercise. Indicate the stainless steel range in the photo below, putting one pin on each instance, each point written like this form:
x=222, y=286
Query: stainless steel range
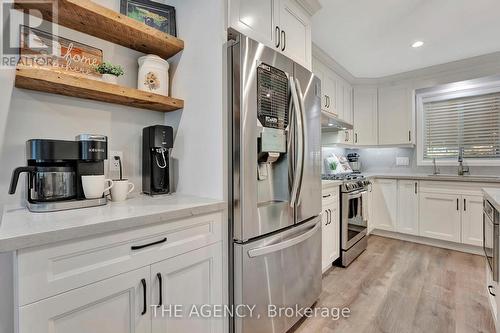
x=353, y=224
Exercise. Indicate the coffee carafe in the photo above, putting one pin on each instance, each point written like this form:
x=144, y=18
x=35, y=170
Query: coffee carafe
x=54, y=169
x=156, y=160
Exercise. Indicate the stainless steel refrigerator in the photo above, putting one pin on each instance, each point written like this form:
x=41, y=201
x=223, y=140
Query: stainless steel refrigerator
x=274, y=186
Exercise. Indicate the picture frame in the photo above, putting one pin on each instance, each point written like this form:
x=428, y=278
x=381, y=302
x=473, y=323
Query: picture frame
x=151, y=13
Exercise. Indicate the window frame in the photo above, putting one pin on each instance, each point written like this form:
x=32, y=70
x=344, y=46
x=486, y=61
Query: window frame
x=468, y=88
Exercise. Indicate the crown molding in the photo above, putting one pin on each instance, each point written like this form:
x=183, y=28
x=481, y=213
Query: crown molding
x=311, y=6
x=324, y=58
x=483, y=65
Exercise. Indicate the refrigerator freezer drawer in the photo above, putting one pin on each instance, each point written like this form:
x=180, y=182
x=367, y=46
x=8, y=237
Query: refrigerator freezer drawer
x=282, y=270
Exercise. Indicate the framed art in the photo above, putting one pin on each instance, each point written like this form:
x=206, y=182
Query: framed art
x=151, y=13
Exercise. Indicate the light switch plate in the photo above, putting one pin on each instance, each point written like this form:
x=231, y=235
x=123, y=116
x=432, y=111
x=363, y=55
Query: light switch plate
x=402, y=161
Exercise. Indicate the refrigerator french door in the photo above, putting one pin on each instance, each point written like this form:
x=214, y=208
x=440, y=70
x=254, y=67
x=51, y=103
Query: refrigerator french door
x=274, y=185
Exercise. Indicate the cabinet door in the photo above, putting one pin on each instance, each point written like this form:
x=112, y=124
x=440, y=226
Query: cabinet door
x=384, y=200
x=112, y=305
x=472, y=220
x=440, y=216
x=407, y=221
x=295, y=25
x=255, y=18
x=193, y=278
x=365, y=116
x=331, y=92
x=348, y=103
x=326, y=240
x=330, y=232
x=395, y=121
x=335, y=226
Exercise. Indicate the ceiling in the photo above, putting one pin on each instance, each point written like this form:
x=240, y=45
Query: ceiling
x=372, y=38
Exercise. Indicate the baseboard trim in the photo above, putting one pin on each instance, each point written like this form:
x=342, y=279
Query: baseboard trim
x=429, y=241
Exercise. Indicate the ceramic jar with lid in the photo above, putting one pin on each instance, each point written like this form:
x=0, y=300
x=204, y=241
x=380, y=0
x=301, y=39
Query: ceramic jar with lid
x=153, y=74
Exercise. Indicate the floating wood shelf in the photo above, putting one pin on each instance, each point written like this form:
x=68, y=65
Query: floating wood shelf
x=56, y=82
x=88, y=17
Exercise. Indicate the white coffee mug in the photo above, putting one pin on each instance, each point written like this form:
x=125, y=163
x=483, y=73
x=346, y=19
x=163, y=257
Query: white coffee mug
x=120, y=189
x=94, y=186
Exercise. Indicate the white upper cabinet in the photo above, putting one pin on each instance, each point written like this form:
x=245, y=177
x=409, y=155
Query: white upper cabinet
x=365, y=116
x=281, y=24
x=395, y=115
x=255, y=19
x=295, y=26
x=336, y=95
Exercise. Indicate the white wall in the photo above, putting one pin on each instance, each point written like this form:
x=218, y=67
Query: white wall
x=199, y=147
x=196, y=75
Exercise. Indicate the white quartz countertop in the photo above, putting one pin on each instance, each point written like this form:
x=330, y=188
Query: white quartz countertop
x=493, y=196
x=20, y=228
x=330, y=183
x=439, y=177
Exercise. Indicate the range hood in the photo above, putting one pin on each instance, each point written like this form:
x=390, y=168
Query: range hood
x=331, y=123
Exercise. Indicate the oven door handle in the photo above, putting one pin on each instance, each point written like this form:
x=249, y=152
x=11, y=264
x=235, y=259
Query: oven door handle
x=356, y=195
x=260, y=251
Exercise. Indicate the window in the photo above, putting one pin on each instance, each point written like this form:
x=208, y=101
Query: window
x=463, y=116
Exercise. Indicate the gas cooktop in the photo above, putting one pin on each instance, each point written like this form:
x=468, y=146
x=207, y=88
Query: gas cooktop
x=342, y=176
x=350, y=181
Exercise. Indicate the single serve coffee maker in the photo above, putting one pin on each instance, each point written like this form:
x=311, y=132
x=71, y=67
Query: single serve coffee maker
x=157, y=144
x=55, y=169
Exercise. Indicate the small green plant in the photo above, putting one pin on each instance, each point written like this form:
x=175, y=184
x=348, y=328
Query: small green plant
x=109, y=68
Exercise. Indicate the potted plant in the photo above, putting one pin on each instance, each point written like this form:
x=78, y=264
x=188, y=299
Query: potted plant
x=109, y=72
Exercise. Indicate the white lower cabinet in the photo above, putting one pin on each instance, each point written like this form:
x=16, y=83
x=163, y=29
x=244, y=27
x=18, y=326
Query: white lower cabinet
x=112, y=305
x=407, y=221
x=330, y=229
x=194, y=278
x=472, y=220
x=440, y=216
x=384, y=201
x=450, y=212
x=180, y=260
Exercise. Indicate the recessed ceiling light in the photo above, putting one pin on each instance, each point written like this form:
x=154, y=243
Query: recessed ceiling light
x=418, y=43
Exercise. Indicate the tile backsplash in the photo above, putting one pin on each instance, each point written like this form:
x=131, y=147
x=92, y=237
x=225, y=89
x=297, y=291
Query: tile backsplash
x=383, y=160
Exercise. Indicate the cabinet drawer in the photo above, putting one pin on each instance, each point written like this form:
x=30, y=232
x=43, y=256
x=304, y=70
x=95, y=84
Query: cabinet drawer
x=330, y=195
x=46, y=271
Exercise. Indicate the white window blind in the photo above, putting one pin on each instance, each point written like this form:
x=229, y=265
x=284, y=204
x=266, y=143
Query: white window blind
x=471, y=123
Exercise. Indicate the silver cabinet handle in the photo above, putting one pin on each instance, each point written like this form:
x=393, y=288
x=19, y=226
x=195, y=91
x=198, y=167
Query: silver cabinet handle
x=283, y=245
x=277, y=36
x=283, y=40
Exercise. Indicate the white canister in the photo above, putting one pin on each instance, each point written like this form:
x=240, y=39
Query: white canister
x=153, y=74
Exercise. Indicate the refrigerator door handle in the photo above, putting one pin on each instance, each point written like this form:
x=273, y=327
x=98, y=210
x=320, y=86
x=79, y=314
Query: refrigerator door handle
x=302, y=137
x=257, y=252
x=300, y=150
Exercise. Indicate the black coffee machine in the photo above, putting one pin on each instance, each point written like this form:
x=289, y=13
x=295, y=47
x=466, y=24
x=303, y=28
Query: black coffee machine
x=157, y=144
x=55, y=169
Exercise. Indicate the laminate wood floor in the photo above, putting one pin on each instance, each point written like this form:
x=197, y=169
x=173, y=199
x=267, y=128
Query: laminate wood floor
x=398, y=286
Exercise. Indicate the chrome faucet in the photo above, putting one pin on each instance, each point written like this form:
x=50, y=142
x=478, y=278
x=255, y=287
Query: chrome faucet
x=462, y=170
x=436, y=169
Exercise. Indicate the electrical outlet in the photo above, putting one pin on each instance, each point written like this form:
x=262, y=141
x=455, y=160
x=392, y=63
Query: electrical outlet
x=402, y=161
x=114, y=165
